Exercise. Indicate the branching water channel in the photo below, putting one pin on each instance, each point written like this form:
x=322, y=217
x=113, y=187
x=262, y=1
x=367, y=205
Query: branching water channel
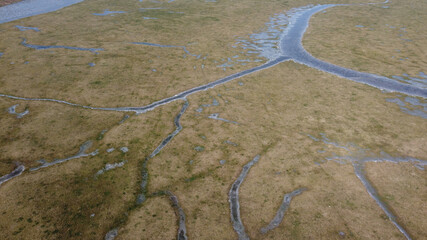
x=290, y=46
x=358, y=157
x=144, y=182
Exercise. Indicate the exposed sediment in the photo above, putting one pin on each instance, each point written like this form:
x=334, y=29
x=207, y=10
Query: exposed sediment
x=281, y=211
x=234, y=200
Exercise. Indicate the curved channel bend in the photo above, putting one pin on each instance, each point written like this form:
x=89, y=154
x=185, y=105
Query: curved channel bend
x=291, y=46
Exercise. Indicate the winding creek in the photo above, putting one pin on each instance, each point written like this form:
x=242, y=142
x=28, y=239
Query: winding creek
x=291, y=49
x=233, y=198
x=291, y=46
x=142, y=196
x=179, y=212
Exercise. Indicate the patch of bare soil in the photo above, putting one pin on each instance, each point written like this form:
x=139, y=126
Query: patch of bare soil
x=7, y=2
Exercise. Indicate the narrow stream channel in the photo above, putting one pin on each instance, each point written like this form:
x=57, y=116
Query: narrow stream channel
x=281, y=211
x=358, y=157
x=16, y=172
x=233, y=198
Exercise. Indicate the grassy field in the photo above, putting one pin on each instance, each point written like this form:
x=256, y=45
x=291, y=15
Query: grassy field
x=272, y=111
